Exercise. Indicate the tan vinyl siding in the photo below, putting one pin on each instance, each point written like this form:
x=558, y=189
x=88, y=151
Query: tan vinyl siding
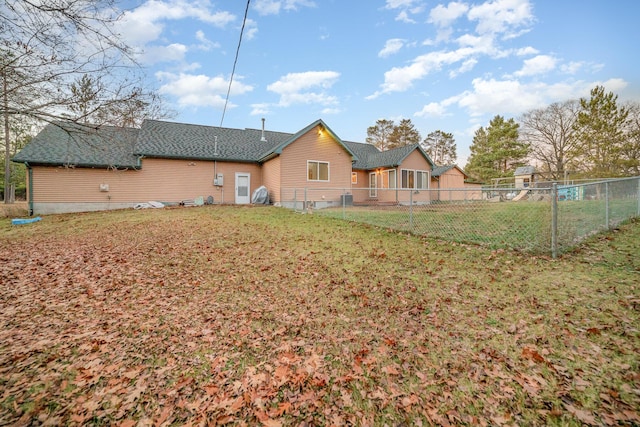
x=414, y=161
x=321, y=148
x=160, y=180
x=271, y=173
x=452, y=178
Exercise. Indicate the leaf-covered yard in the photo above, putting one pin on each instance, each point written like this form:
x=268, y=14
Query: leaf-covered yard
x=214, y=315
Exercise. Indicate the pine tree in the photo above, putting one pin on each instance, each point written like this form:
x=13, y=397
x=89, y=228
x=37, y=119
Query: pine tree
x=379, y=134
x=496, y=152
x=599, y=128
x=404, y=134
x=441, y=147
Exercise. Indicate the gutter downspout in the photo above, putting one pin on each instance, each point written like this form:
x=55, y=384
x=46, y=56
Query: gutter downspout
x=29, y=187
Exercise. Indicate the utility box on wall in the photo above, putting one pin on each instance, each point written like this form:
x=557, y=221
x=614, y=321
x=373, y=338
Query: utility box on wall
x=104, y=187
x=218, y=180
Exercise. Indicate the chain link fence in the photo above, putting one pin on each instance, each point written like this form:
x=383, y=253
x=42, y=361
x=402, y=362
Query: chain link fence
x=550, y=218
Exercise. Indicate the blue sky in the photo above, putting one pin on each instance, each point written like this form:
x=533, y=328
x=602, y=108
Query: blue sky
x=447, y=66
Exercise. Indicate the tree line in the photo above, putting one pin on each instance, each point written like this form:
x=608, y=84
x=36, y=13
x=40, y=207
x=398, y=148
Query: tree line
x=594, y=137
x=439, y=145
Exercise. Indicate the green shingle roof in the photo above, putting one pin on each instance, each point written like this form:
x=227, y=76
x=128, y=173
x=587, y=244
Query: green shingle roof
x=369, y=157
x=74, y=145
x=439, y=170
x=71, y=144
x=187, y=141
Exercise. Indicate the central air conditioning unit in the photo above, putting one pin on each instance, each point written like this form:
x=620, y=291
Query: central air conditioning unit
x=218, y=180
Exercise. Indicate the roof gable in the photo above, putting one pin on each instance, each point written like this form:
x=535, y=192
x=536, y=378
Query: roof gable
x=372, y=158
x=525, y=170
x=278, y=149
x=441, y=170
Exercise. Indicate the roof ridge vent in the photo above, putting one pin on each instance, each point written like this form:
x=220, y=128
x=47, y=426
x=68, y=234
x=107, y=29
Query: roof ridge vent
x=263, y=139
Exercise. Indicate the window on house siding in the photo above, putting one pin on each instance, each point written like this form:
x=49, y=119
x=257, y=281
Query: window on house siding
x=354, y=177
x=317, y=171
x=408, y=178
x=414, y=179
x=391, y=178
x=422, y=179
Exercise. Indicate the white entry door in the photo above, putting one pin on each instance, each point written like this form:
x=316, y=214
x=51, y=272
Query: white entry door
x=243, y=190
x=373, y=185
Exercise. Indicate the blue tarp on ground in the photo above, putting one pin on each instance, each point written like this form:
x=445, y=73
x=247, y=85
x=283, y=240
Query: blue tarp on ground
x=18, y=221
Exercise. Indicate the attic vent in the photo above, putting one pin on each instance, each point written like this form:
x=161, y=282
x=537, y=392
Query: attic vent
x=263, y=139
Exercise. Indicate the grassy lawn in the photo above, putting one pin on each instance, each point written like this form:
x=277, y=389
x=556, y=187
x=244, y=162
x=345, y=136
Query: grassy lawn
x=264, y=316
x=524, y=226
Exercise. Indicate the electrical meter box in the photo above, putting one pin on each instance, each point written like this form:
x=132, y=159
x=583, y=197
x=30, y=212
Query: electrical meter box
x=218, y=180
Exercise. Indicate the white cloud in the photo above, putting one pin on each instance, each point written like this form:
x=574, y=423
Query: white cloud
x=407, y=8
x=433, y=109
x=250, y=29
x=200, y=90
x=537, y=65
x=501, y=16
x=484, y=44
x=574, y=66
x=511, y=97
x=495, y=19
x=260, y=109
x=144, y=24
x=390, y=47
x=331, y=111
x=524, y=51
x=205, y=43
x=305, y=88
x=156, y=54
x=400, y=79
x=443, y=16
x=396, y=4
x=273, y=7
x=403, y=16
x=464, y=68
x=295, y=82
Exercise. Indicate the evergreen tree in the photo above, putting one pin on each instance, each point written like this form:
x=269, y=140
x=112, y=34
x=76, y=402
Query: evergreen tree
x=379, y=134
x=404, y=134
x=600, y=131
x=496, y=152
x=441, y=147
x=480, y=165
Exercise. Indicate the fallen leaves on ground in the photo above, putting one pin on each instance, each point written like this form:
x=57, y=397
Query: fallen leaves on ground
x=220, y=315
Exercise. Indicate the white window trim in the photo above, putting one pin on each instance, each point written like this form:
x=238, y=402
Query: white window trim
x=426, y=181
x=389, y=183
x=319, y=180
x=416, y=172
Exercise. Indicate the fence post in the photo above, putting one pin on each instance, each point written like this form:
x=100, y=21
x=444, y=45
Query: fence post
x=295, y=199
x=554, y=220
x=305, y=207
x=606, y=204
x=638, y=179
x=411, y=210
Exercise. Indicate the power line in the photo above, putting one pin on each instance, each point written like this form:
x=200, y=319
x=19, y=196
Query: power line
x=235, y=61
